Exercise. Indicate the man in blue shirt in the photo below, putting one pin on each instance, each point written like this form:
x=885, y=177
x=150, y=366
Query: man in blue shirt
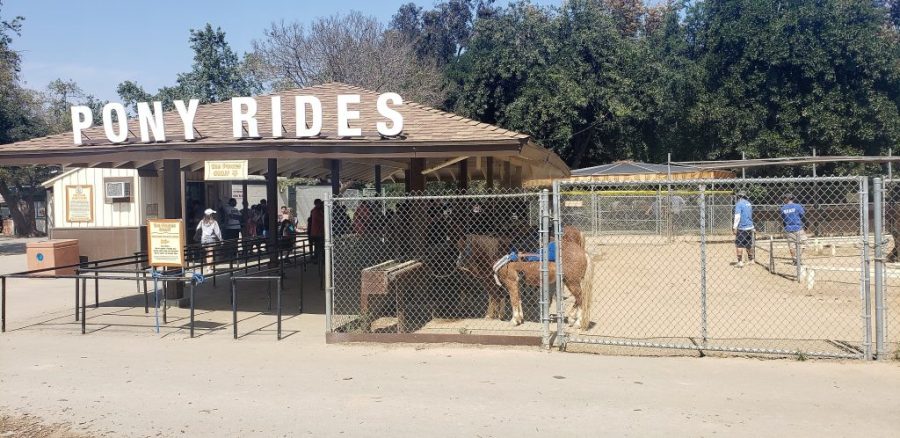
x=742, y=227
x=792, y=215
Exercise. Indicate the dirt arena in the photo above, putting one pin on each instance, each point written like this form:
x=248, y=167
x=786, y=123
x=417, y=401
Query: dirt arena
x=647, y=289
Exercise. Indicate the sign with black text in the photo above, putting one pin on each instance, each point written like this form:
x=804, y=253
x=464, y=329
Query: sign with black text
x=165, y=243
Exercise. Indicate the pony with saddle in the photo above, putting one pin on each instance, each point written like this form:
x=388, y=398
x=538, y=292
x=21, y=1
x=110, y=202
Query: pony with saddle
x=479, y=253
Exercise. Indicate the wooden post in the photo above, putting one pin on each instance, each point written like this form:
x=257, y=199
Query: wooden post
x=462, y=183
x=507, y=175
x=272, y=205
x=246, y=203
x=490, y=173
x=516, y=179
x=172, y=201
x=416, y=179
x=172, y=189
x=377, y=180
x=335, y=177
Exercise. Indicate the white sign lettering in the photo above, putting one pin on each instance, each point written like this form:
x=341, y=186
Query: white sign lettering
x=151, y=121
x=244, y=123
x=316, y=108
x=345, y=114
x=187, y=116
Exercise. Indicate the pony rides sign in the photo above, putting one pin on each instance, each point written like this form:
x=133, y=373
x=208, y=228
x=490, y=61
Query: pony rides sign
x=152, y=125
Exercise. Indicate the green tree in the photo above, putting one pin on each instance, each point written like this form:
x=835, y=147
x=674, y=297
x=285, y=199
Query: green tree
x=20, y=119
x=442, y=33
x=784, y=77
x=60, y=96
x=565, y=76
x=216, y=75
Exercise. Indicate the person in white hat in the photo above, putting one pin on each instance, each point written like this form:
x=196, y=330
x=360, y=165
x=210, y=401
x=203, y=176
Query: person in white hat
x=209, y=232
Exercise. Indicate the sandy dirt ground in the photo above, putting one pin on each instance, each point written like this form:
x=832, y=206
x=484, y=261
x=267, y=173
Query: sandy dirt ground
x=113, y=384
x=123, y=379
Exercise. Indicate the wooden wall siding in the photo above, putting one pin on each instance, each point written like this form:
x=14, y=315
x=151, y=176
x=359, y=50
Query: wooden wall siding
x=108, y=215
x=95, y=242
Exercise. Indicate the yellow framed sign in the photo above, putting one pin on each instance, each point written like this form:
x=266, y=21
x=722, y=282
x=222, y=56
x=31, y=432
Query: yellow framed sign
x=80, y=203
x=165, y=243
x=225, y=170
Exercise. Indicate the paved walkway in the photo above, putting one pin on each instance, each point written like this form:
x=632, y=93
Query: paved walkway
x=123, y=379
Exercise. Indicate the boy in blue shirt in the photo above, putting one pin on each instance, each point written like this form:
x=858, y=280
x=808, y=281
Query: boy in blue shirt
x=792, y=215
x=743, y=228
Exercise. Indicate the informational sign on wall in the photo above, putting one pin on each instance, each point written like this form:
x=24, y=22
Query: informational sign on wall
x=80, y=203
x=225, y=170
x=165, y=243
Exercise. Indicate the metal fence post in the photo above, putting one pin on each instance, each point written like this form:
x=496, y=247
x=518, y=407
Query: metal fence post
x=234, y=321
x=3, y=304
x=545, y=269
x=878, y=188
x=83, y=303
x=703, y=323
x=557, y=229
x=595, y=212
x=278, y=305
x=865, y=285
x=192, y=306
x=771, y=254
x=329, y=309
x=77, y=297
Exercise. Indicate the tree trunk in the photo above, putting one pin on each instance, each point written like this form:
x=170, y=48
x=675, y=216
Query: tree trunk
x=23, y=220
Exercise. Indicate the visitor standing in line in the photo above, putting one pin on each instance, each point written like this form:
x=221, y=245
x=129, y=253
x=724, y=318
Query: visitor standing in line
x=209, y=231
x=317, y=230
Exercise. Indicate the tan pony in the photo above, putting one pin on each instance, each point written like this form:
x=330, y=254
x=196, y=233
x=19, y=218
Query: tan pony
x=479, y=252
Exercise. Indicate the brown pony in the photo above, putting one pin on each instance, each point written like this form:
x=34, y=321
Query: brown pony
x=485, y=250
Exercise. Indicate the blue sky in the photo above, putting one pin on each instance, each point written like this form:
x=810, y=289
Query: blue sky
x=100, y=43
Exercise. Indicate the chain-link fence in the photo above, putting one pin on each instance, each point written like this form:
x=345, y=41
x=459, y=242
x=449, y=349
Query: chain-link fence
x=667, y=271
x=656, y=209
x=444, y=268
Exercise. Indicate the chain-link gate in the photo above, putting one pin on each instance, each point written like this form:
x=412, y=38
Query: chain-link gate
x=887, y=289
x=799, y=286
x=438, y=268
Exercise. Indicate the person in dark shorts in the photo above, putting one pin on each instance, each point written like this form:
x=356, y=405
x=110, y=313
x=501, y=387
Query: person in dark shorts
x=743, y=229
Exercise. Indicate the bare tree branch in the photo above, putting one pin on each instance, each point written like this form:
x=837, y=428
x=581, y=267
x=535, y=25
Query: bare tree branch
x=354, y=49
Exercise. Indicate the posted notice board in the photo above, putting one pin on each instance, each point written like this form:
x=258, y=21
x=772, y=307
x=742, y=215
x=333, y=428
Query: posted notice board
x=80, y=203
x=165, y=243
